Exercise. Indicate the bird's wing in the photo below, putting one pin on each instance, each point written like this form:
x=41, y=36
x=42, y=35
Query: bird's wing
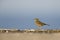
x=38, y=22
x=45, y=24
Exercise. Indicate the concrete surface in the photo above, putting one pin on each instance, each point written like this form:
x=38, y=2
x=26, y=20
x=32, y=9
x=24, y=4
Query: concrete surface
x=29, y=36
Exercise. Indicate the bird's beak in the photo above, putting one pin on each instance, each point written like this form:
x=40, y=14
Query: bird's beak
x=33, y=19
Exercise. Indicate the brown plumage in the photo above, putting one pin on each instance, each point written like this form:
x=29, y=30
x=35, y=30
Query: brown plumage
x=39, y=23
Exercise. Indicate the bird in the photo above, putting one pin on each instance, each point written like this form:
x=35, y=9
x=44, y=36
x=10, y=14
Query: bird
x=39, y=23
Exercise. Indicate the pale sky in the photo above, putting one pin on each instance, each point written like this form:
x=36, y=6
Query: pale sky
x=20, y=13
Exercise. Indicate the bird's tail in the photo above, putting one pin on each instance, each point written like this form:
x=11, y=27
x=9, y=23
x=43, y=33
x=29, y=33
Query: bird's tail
x=47, y=24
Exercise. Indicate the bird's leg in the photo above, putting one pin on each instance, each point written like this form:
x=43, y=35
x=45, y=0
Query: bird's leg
x=39, y=28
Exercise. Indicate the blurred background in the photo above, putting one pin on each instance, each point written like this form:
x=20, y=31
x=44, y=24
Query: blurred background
x=20, y=13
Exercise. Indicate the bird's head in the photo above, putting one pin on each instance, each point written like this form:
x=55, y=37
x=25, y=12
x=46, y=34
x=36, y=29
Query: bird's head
x=36, y=19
